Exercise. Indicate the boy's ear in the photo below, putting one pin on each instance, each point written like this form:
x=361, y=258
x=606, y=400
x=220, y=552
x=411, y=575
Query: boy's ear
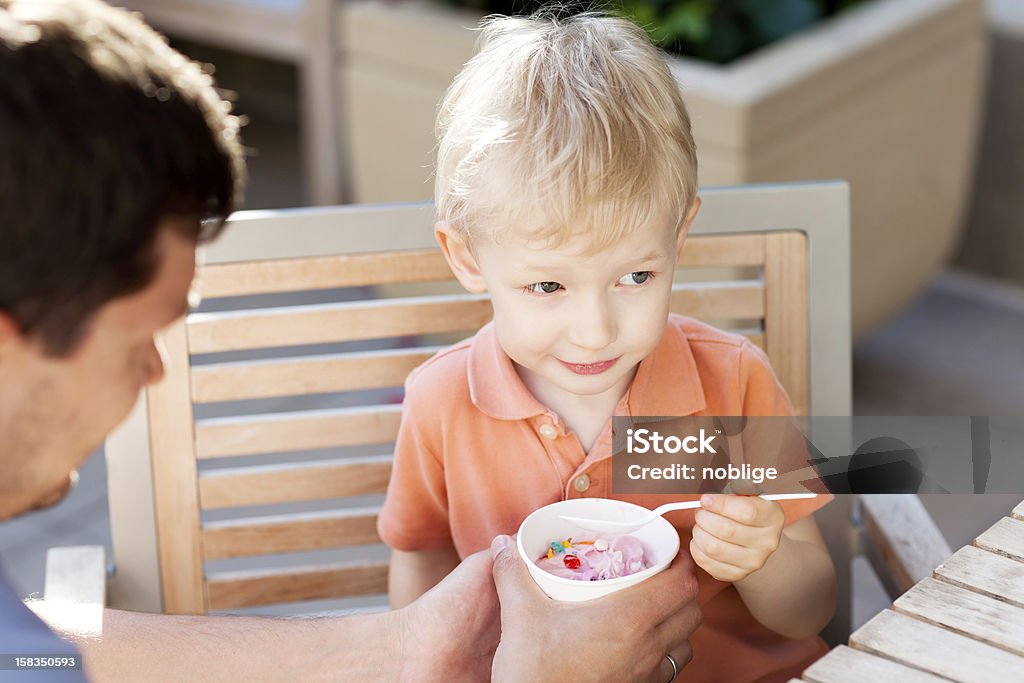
x=684, y=229
x=460, y=258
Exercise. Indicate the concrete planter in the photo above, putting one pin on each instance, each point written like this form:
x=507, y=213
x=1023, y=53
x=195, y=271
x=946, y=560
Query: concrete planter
x=887, y=97
x=994, y=241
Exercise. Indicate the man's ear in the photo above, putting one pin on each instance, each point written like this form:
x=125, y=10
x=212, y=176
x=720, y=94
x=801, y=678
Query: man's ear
x=11, y=338
x=460, y=258
x=9, y=329
x=684, y=229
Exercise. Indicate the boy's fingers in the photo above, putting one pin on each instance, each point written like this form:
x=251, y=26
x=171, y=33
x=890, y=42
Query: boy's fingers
x=719, y=570
x=723, y=551
x=743, y=509
x=728, y=529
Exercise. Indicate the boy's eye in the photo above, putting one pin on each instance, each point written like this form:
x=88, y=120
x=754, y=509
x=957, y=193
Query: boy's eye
x=636, y=278
x=543, y=287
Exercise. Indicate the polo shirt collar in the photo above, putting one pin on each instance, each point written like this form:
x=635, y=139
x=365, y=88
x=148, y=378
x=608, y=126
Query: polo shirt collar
x=666, y=383
x=494, y=385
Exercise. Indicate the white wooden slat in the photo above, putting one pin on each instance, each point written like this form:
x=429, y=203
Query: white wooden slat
x=322, y=272
x=290, y=533
x=296, y=431
x=229, y=590
x=1005, y=537
x=326, y=323
x=986, y=573
x=906, y=545
x=931, y=648
x=285, y=483
x=704, y=251
x=737, y=299
x=846, y=665
x=966, y=612
x=306, y=375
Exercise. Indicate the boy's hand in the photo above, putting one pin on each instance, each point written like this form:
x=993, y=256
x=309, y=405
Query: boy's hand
x=733, y=536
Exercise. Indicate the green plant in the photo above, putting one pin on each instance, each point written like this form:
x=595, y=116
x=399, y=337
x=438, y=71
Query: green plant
x=712, y=30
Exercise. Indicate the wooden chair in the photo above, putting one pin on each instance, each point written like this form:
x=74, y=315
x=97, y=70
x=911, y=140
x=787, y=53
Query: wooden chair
x=235, y=447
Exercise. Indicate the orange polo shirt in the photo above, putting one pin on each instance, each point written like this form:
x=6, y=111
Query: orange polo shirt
x=477, y=453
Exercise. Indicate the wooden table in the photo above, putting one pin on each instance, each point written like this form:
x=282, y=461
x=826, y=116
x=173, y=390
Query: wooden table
x=965, y=623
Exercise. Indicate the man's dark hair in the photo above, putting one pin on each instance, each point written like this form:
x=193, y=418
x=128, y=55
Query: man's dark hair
x=104, y=131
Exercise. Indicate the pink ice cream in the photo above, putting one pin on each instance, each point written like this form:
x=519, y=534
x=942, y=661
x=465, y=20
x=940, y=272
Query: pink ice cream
x=605, y=557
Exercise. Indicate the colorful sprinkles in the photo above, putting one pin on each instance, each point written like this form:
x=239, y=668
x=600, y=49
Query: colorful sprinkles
x=565, y=547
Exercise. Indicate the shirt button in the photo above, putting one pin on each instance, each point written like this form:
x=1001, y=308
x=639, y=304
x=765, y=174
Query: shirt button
x=582, y=483
x=548, y=431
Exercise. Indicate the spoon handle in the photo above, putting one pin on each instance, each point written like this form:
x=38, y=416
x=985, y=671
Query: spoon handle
x=691, y=504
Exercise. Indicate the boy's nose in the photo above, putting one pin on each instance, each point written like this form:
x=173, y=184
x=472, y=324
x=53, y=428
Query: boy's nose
x=594, y=328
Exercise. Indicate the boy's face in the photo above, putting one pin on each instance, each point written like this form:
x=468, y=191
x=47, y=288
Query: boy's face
x=575, y=325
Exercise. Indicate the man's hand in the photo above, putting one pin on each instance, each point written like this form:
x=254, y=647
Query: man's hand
x=619, y=637
x=450, y=633
x=733, y=536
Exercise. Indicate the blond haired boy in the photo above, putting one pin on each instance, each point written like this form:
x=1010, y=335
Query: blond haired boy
x=566, y=183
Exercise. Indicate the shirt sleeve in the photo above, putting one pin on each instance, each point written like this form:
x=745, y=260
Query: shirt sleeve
x=22, y=633
x=771, y=437
x=415, y=511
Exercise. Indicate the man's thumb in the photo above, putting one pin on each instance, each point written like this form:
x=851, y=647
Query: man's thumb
x=510, y=576
x=500, y=543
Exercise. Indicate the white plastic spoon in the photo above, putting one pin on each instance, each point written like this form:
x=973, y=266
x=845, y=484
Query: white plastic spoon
x=607, y=526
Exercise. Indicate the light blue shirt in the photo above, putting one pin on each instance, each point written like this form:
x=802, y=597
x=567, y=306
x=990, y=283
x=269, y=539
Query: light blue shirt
x=23, y=633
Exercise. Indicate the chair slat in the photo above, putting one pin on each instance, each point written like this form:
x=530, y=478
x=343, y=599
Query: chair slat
x=786, y=306
x=345, y=270
x=230, y=590
x=706, y=251
x=270, y=484
x=175, y=498
x=325, y=323
x=739, y=300
x=307, y=375
x=251, y=435
x=423, y=265
x=290, y=533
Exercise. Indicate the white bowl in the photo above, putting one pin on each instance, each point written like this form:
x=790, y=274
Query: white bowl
x=545, y=525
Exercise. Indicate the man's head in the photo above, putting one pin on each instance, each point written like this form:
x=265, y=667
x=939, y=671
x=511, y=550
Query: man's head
x=117, y=157
x=566, y=182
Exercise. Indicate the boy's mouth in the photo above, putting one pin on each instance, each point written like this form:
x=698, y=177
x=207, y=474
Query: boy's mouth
x=590, y=368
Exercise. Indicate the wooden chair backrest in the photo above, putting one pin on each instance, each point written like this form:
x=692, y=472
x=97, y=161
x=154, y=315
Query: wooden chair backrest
x=226, y=440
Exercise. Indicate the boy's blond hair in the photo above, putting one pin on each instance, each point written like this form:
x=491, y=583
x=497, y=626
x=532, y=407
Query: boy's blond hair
x=564, y=128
